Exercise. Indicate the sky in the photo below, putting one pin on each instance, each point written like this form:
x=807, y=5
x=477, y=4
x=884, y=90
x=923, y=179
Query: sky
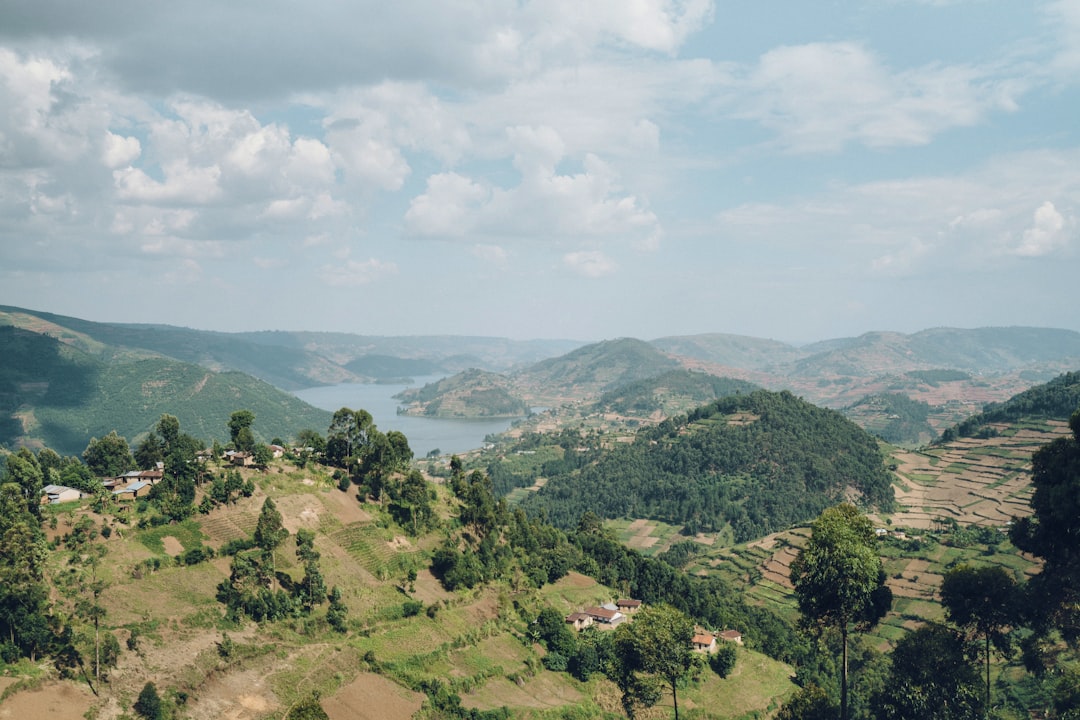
x=579, y=169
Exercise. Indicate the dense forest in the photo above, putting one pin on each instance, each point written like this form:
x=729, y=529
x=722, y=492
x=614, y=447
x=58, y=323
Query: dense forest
x=759, y=463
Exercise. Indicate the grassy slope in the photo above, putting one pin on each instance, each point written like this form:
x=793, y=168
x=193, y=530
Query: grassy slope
x=475, y=643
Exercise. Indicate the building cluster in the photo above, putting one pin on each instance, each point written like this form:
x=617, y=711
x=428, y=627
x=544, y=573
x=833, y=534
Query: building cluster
x=610, y=615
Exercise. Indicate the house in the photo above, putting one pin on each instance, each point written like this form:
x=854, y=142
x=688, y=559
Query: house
x=628, y=606
x=152, y=477
x=131, y=492
x=243, y=459
x=53, y=494
x=579, y=620
x=704, y=643
x=605, y=615
x=732, y=636
x=277, y=451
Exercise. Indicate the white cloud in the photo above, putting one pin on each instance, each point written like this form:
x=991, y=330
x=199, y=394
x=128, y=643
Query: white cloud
x=352, y=273
x=589, y=263
x=546, y=206
x=493, y=254
x=447, y=208
x=119, y=150
x=1046, y=234
x=903, y=259
x=182, y=183
x=821, y=96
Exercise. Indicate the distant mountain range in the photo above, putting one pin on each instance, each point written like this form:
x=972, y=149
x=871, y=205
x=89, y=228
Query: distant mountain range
x=988, y=365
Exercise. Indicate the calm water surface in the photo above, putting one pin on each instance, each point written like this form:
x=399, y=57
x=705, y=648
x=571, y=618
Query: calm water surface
x=424, y=434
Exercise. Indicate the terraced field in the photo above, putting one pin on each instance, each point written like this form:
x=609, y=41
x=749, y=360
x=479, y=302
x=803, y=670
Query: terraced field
x=971, y=481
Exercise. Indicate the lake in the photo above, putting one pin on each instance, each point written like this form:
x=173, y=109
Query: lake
x=425, y=434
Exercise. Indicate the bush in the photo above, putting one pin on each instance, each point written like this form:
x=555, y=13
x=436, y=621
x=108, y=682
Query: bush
x=555, y=662
x=723, y=660
x=149, y=703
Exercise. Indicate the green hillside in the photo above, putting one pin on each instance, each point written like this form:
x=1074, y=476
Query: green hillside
x=757, y=463
x=732, y=350
x=595, y=368
x=286, y=367
x=470, y=394
x=55, y=394
x=1055, y=400
x=674, y=392
x=893, y=417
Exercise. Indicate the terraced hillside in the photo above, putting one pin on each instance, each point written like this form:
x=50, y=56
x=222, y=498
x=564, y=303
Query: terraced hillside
x=972, y=481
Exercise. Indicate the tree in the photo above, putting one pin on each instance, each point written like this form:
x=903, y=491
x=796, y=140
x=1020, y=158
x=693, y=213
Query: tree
x=148, y=705
x=657, y=644
x=240, y=423
x=23, y=593
x=839, y=579
x=983, y=601
x=723, y=660
x=337, y=613
x=269, y=532
x=809, y=702
x=23, y=471
x=930, y=677
x=1051, y=533
x=108, y=457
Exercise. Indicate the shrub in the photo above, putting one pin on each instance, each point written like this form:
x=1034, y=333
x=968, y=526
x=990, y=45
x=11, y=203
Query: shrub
x=149, y=703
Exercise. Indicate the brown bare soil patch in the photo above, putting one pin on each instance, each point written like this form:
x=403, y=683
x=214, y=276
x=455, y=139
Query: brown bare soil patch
x=234, y=696
x=372, y=697
x=55, y=700
x=428, y=589
x=576, y=580
x=172, y=546
x=345, y=507
x=546, y=690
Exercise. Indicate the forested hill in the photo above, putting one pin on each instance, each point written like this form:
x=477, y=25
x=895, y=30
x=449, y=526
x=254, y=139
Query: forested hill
x=759, y=463
x=1055, y=400
x=674, y=392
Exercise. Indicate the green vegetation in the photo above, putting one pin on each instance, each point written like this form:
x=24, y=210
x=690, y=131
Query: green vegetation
x=470, y=394
x=933, y=377
x=597, y=368
x=70, y=397
x=893, y=417
x=1057, y=400
x=760, y=462
x=671, y=393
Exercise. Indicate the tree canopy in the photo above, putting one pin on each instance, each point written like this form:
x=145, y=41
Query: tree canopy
x=839, y=579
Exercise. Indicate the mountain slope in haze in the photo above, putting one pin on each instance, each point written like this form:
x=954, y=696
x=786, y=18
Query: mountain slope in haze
x=287, y=368
x=737, y=351
x=293, y=360
x=979, y=350
x=595, y=368
x=57, y=395
x=1055, y=400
